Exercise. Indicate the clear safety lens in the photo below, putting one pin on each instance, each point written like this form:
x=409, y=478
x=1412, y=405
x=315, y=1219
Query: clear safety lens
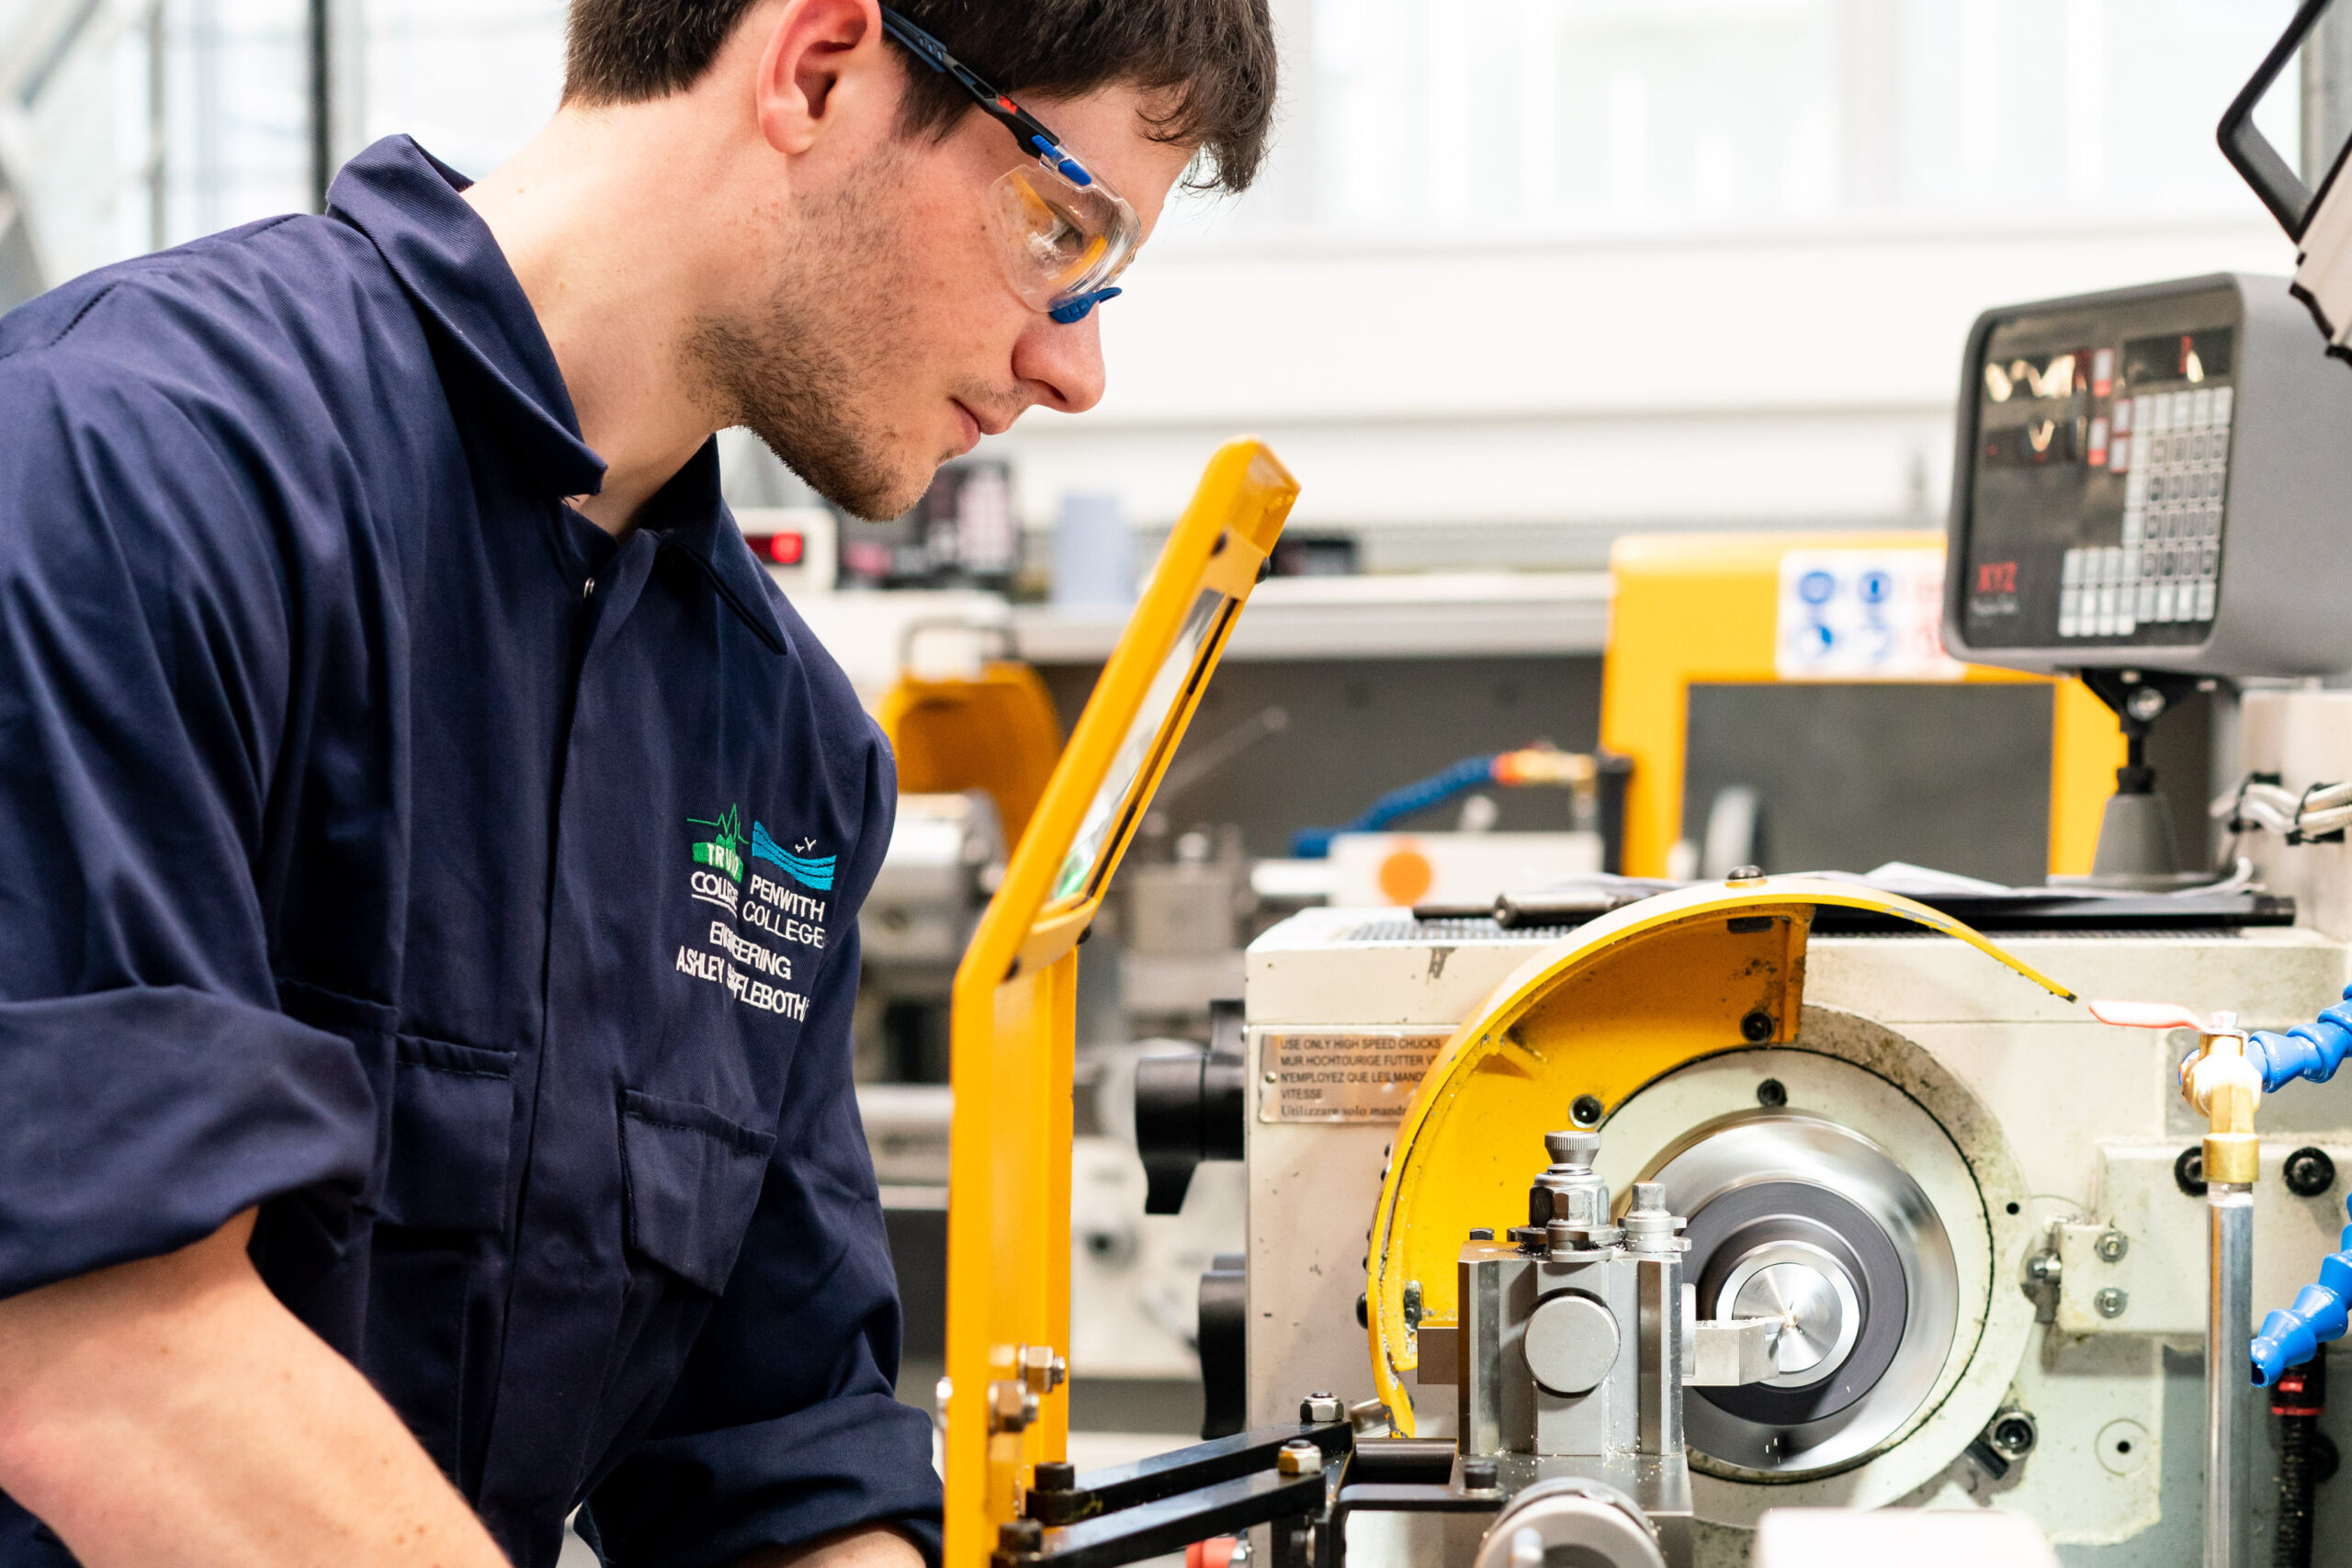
x=1061, y=240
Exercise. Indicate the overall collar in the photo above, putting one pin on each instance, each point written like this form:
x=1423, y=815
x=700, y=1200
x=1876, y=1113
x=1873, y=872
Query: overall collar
x=408, y=203
x=688, y=516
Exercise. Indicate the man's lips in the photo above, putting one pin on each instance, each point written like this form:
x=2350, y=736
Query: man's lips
x=974, y=427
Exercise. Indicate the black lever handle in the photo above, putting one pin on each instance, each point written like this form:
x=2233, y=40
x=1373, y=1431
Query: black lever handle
x=2250, y=152
x=1191, y=1107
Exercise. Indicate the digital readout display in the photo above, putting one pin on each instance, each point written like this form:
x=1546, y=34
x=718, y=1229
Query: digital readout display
x=2035, y=377
x=2171, y=358
x=2088, y=423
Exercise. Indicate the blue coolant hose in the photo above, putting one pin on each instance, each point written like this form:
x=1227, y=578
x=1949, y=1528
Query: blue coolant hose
x=1315, y=843
x=2293, y=1335
x=2311, y=1051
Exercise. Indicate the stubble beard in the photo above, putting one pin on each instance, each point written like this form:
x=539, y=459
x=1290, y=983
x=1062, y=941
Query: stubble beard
x=799, y=369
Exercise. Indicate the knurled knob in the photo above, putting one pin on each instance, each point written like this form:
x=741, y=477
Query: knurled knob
x=1575, y=1149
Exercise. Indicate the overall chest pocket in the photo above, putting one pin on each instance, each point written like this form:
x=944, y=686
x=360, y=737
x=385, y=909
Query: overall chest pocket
x=453, y=1116
x=693, y=1179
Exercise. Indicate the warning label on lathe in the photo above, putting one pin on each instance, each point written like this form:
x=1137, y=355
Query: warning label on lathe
x=1362, y=1075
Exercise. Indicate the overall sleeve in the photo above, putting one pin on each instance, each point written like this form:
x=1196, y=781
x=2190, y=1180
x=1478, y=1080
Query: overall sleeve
x=150, y=1087
x=783, y=1427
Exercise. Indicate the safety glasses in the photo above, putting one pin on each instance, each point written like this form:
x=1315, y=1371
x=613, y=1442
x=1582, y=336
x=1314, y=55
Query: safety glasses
x=1066, y=235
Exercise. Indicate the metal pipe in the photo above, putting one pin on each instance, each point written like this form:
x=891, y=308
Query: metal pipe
x=2326, y=95
x=159, y=188
x=318, y=34
x=2230, y=1410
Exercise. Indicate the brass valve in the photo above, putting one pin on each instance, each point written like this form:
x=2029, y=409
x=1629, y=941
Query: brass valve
x=2226, y=1089
x=2217, y=1081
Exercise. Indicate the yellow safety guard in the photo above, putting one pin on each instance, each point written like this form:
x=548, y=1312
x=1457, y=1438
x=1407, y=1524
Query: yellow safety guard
x=1013, y=1010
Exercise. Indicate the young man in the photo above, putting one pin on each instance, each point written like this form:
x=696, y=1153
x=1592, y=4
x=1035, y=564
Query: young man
x=430, y=847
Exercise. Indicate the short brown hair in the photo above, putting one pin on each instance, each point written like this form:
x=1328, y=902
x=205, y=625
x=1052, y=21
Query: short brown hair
x=1209, y=62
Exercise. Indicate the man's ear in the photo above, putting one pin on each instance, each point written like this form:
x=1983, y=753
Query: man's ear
x=826, y=65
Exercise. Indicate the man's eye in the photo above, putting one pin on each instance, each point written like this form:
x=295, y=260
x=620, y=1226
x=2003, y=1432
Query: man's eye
x=1059, y=235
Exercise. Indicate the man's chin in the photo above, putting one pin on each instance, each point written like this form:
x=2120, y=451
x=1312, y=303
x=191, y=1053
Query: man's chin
x=854, y=479
x=876, y=504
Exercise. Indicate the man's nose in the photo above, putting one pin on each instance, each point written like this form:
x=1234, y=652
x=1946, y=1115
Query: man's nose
x=1062, y=364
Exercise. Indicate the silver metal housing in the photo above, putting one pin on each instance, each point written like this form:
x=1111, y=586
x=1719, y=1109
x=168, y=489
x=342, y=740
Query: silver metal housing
x=1985, y=1091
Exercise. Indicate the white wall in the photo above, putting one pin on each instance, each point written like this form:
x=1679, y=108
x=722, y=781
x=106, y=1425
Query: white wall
x=1521, y=274
x=1782, y=377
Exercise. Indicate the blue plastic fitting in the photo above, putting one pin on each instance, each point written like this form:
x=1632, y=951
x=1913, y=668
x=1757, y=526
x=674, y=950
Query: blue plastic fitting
x=1075, y=308
x=2311, y=1051
x=2291, y=1337
x=1072, y=169
x=1315, y=843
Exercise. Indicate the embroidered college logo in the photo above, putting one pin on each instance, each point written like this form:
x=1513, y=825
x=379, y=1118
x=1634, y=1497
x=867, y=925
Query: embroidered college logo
x=797, y=862
x=721, y=850
x=754, y=972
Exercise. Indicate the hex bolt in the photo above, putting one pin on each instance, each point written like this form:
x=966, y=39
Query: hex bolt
x=1042, y=1368
x=1020, y=1534
x=2308, y=1172
x=1755, y=1026
x=1649, y=1226
x=1320, y=1407
x=2042, y=1274
x=1056, y=1476
x=2111, y=1246
x=1771, y=1093
x=1300, y=1456
x=1480, y=1475
x=2111, y=1301
x=1012, y=1407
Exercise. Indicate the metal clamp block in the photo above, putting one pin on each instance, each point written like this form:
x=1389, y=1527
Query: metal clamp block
x=1731, y=1352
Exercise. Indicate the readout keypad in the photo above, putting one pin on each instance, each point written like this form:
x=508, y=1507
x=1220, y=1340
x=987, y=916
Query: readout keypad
x=2174, y=450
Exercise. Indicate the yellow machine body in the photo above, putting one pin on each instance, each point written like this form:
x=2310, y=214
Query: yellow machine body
x=1616, y=1005
x=1013, y=1010
x=994, y=731
x=1701, y=609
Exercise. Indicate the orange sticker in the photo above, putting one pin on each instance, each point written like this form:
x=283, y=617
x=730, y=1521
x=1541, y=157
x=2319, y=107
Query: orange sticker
x=1406, y=875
